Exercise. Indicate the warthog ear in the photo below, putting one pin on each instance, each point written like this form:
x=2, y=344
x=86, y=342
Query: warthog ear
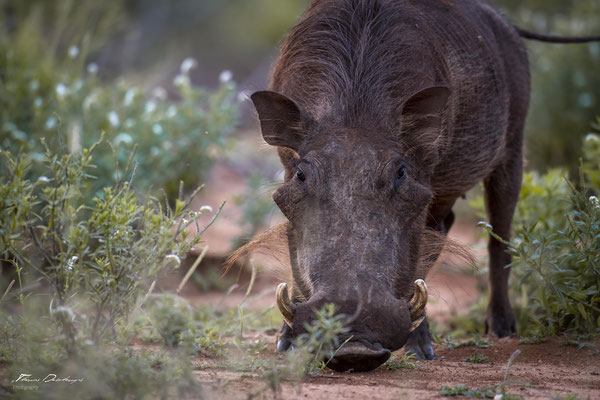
x=422, y=117
x=281, y=120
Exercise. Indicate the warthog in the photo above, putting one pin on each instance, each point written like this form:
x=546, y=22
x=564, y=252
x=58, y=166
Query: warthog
x=384, y=112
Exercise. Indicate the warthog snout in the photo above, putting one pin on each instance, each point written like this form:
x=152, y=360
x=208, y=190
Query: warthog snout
x=376, y=328
x=359, y=357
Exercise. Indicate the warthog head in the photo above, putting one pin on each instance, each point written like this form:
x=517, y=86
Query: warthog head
x=356, y=201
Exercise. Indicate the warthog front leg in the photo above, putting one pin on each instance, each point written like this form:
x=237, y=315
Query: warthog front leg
x=501, y=195
x=440, y=219
x=285, y=338
x=419, y=342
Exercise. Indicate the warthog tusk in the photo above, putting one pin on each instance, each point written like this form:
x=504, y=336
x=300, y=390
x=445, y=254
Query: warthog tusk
x=418, y=302
x=284, y=303
x=416, y=323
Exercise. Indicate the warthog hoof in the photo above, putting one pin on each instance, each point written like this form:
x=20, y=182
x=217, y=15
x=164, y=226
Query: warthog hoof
x=285, y=338
x=500, y=321
x=419, y=343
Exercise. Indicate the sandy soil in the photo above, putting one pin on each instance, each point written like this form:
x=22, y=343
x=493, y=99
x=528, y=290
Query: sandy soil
x=541, y=371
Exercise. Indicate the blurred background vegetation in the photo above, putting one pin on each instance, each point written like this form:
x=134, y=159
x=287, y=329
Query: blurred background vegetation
x=142, y=42
x=565, y=79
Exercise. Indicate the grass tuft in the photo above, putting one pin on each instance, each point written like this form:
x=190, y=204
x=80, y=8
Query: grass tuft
x=395, y=362
x=477, y=359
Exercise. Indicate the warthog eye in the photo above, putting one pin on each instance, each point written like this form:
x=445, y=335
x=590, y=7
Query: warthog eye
x=300, y=175
x=400, y=175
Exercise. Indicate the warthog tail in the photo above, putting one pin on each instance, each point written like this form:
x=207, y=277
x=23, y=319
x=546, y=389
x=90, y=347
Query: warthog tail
x=524, y=33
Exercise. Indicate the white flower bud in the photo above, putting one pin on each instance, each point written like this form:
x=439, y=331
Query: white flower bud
x=243, y=96
x=61, y=90
x=485, y=225
x=113, y=118
x=225, y=76
x=159, y=93
x=73, y=51
x=157, y=129
x=187, y=65
x=174, y=257
x=150, y=107
x=51, y=123
x=181, y=81
x=589, y=138
x=92, y=68
x=171, y=111
x=71, y=261
x=129, y=97
x=206, y=209
x=122, y=138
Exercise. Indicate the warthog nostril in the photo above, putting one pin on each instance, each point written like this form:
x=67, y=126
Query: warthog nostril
x=357, y=357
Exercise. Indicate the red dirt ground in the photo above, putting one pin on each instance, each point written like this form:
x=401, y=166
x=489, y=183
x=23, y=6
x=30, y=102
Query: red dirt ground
x=541, y=371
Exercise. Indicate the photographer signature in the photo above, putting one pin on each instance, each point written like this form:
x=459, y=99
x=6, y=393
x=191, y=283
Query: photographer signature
x=27, y=378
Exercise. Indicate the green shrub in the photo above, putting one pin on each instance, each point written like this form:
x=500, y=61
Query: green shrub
x=81, y=161
x=173, y=318
x=310, y=354
x=558, y=271
x=102, y=248
x=556, y=251
x=591, y=152
x=81, y=268
x=58, y=97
